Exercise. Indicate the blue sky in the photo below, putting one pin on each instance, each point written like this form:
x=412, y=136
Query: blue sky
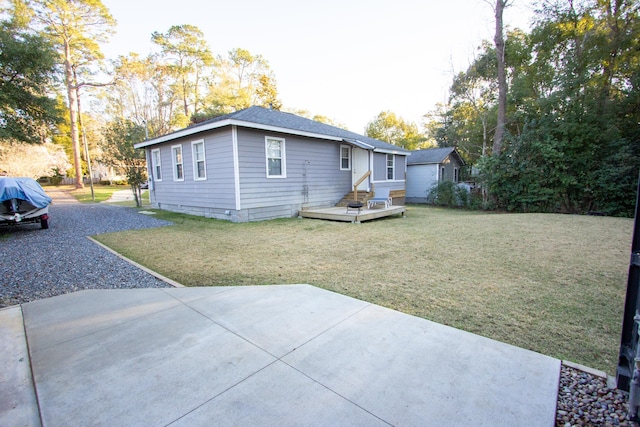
x=344, y=59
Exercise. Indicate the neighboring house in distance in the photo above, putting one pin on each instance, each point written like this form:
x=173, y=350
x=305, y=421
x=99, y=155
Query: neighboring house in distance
x=257, y=164
x=427, y=168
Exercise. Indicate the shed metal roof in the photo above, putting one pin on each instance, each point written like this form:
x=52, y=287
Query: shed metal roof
x=277, y=121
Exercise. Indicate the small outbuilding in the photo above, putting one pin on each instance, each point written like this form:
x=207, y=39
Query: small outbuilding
x=428, y=168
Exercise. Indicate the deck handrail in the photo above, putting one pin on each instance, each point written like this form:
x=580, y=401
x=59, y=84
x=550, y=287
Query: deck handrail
x=358, y=182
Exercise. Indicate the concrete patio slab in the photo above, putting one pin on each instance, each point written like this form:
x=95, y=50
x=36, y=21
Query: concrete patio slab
x=150, y=371
x=18, y=405
x=271, y=355
x=65, y=317
x=410, y=371
x=289, y=398
x=273, y=317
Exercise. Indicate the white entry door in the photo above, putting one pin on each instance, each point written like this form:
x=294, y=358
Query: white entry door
x=360, y=167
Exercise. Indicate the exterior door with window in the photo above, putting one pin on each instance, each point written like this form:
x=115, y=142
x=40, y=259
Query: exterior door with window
x=360, y=167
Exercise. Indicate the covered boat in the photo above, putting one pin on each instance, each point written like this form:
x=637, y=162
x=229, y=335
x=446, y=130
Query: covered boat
x=22, y=200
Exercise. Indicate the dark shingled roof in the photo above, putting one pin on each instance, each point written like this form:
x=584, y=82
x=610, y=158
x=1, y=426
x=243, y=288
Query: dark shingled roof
x=264, y=116
x=432, y=155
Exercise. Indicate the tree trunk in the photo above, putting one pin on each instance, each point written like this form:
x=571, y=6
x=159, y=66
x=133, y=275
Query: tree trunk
x=135, y=189
x=484, y=134
x=73, y=114
x=613, y=12
x=502, y=79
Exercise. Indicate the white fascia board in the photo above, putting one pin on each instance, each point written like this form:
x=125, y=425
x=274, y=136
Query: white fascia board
x=389, y=151
x=183, y=132
x=358, y=143
x=230, y=122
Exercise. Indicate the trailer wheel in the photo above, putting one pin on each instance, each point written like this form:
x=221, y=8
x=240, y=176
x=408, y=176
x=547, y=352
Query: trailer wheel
x=44, y=223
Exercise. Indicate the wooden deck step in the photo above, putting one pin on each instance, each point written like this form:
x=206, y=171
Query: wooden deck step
x=340, y=214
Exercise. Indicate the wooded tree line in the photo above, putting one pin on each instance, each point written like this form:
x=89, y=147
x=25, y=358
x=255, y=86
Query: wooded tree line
x=572, y=128
x=50, y=60
x=571, y=106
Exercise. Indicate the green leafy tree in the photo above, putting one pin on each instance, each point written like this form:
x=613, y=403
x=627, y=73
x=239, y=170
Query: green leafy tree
x=242, y=80
x=75, y=28
x=474, y=98
x=468, y=120
x=577, y=99
x=188, y=57
x=118, y=152
x=571, y=141
x=438, y=126
x=142, y=92
x=266, y=93
x=394, y=130
x=28, y=112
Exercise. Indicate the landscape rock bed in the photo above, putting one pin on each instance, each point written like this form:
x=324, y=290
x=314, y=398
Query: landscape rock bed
x=585, y=400
x=40, y=263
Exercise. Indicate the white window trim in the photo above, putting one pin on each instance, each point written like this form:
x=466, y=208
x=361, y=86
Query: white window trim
x=348, y=148
x=175, y=162
x=386, y=170
x=195, y=162
x=155, y=167
x=283, y=156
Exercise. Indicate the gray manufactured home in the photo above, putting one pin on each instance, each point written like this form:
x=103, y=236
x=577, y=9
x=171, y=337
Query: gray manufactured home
x=258, y=164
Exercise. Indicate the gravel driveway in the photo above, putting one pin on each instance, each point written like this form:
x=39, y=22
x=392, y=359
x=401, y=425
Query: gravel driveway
x=38, y=264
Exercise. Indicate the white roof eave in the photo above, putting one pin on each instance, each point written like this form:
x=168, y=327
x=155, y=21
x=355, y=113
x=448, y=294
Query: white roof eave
x=390, y=151
x=358, y=143
x=230, y=122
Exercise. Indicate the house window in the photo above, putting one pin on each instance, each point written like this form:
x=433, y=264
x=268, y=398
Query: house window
x=276, y=159
x=390, y=166
x=156, y=165
x=345, y=157
x=199, y=163
x=178, y=171
x=442, y=173
x=455, y=174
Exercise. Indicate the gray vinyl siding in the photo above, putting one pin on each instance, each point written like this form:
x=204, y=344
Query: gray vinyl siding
x=380, y=172
x=400, y=168
x=313, y=175
x=217, y=191
x=449, y=164
x=420, y=180
x=379, y=167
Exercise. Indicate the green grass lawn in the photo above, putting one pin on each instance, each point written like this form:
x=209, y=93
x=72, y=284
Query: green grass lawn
x=103, y=193
x=554, y=284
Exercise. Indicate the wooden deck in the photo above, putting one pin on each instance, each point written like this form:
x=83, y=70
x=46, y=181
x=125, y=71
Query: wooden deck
x=340, y=213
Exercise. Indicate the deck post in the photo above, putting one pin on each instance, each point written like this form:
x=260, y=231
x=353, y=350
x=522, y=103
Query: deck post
x=628, y=371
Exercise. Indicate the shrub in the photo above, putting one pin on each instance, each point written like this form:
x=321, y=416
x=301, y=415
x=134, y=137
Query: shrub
x=449, y=194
